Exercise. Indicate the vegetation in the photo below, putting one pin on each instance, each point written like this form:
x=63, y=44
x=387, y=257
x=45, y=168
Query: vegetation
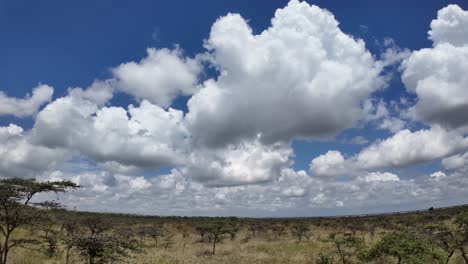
x=42, y=232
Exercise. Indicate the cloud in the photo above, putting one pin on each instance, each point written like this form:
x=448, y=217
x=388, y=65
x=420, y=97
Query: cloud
x=456, y=162
x=27, y=106
x=160, y=77
x=244, y=163
x=301, y=77
x=437, y=75
x=143, y=136
x=403, y=149
x=379, y=177
x=451, y=26
x=20, y=158
x=100, y=92
x=407, y=148
x=329, y=164
x=438, y=175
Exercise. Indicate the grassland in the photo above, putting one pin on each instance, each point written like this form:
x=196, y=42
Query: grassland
x=246, y=240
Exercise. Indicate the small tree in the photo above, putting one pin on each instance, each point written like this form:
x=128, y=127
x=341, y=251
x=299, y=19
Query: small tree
x=216, y=231
x=347, y=246
x=278, y=230
x=71, y=231
x=99, y=247
x=406, y=247
x=18, y=210
x=167, y=241
x=445, y=238
x=300, y=231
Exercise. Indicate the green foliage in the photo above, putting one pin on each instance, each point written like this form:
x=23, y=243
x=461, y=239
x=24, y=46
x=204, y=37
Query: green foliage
x=347, y=247
x=323, y=259
x=406, y=247
x=16, y=210
x=100, y=247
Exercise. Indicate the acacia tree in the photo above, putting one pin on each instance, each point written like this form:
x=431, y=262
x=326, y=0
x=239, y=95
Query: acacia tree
x=100, y=247
x=71, y=231
x=278, y=230
x=406, y=247
x=300, y=231
x=18, y=210
x=445, y=238
x=216, y=231
x=347, y=247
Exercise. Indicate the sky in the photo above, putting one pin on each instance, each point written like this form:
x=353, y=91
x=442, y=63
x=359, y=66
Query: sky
x=245, y=108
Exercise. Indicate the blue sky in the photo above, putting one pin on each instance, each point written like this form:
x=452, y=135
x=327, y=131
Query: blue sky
x=70, y=45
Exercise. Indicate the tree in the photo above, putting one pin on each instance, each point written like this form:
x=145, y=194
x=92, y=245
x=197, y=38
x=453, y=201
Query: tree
x=167, y=241
x=445, y=238
x=71, y=231
x=300, y=231
x=347, y=246
x=216, y=231
x=100, y=247
x=406, y=247
x=462, y=223
x=278, y=230
x=18, y=210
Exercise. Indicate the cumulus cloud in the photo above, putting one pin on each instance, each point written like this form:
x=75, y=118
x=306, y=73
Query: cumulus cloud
x=301, y=77
x=27, y=106
x=100, y=92
x=379, y=177
x=451, y=26
x=330, y=164
x=437, y=75
x=244, y=163
x=20, y=158
x=143, y=136
x=160, y=77
x=456, y=162
x=231, y=152
x=403, y=149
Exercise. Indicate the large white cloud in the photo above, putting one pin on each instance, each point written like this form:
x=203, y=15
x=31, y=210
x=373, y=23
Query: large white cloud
x=301, y=77
x=451, y=26
x=438, y=75
x=405, y=148
x=20, y=158
x=143, y=136
x=244, y=163
x=160, y=77
x=27, y=106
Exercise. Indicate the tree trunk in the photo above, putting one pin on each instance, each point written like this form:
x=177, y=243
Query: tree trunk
x=463, y=253
x=214, y=246
x=450, y=254
x=67, y=257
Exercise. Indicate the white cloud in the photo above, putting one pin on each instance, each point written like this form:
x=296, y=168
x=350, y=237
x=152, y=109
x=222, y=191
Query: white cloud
x=438, y=175
x=379, y=177
x=160, y=77
x=330, y=164
x=144, y=136
x=301, y=77
x=100, y=92
x=438, y=75
x=10, y=131
x=20, y=158
x=403, y=149
x=27, y=106
x=244, y=163
x=456, y=162
x=407, y=148
x=451, y=26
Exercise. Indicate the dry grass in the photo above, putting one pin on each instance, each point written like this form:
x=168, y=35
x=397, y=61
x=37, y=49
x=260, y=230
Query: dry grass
x=259, y=250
